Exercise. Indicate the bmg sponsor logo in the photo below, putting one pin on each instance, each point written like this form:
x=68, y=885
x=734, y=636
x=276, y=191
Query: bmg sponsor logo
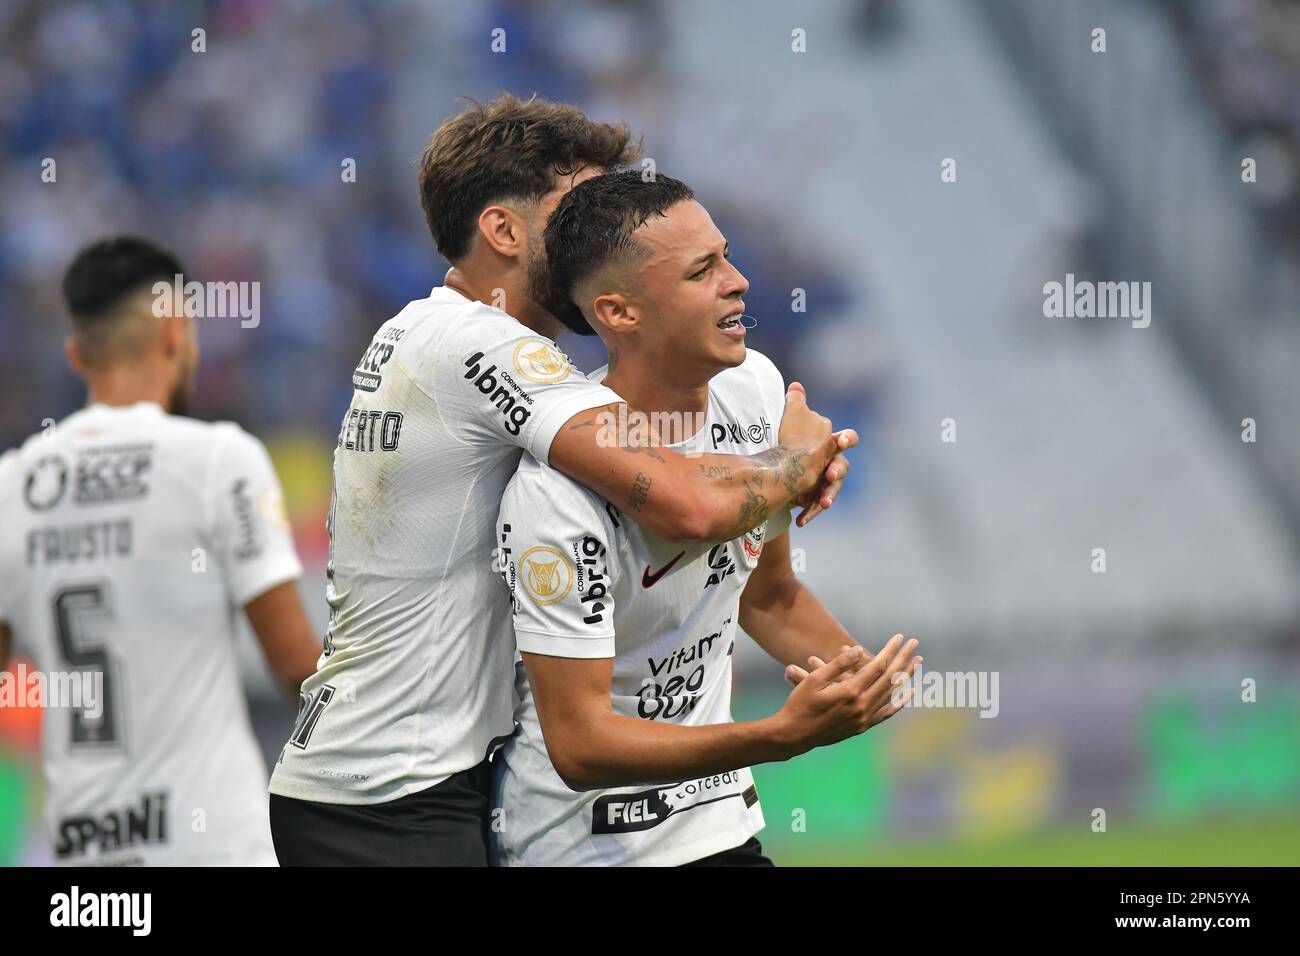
x=248, y=530
x=495, y=385
x=589, y=559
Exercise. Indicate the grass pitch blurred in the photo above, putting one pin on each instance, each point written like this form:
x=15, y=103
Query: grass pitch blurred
x=1273, y=842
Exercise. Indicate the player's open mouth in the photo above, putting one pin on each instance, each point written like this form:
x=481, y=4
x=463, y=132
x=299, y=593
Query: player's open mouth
x=730, y=325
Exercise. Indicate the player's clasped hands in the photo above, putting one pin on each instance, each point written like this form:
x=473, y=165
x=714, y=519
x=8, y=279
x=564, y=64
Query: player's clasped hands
x=849, y=694
x=801, y=427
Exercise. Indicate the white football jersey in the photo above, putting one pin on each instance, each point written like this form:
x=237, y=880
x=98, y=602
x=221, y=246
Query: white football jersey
x=416, y=680
x=587, y=582
x=132, y=539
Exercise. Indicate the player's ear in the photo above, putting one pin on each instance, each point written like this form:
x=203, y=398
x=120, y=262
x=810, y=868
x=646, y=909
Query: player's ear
x=76, y=360
x=174, y=335
x=613, y=311
x=503, y=230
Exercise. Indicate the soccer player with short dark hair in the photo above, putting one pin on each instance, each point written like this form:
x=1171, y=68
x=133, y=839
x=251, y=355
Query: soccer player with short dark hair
x=626, y=753
x=131, y=537
x=389, y=760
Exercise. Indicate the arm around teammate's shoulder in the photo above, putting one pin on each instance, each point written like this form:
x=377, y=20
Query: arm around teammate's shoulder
x=705, y=498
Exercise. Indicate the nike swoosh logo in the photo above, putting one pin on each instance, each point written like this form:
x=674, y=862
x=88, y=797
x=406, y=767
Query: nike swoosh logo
x=649, y=580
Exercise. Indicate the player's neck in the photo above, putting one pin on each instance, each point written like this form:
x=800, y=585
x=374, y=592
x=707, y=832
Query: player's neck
x=505, y=292
x=648, y=387
x=126, y=385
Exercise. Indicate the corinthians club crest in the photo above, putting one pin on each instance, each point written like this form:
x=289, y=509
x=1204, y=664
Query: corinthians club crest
x=753, y=543
x=46, y=483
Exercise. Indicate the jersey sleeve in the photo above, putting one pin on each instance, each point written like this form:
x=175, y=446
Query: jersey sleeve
x=557, y=559
x=496, y=382
x=250, y=528
x=769, y=384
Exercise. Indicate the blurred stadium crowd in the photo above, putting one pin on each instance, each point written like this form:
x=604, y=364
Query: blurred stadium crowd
x=233, y=157
x=1248, y=52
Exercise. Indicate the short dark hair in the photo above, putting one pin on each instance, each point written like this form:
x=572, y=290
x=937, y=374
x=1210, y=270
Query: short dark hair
x=508, y=149
x=107, y=272
x=593, y=226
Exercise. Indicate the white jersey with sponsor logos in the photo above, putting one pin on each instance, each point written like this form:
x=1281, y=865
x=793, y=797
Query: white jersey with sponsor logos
x=587, y=582
x=132, y=539
x=417, y=679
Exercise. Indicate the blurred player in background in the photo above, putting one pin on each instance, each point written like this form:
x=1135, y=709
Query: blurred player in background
x=389, y=761
x=133, y=538
x=605, y=611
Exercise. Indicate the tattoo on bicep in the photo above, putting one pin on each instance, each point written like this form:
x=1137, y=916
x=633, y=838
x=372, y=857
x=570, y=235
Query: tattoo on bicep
x=599, y=418
x=716, y=471
x=646, y=450
x=640, y=492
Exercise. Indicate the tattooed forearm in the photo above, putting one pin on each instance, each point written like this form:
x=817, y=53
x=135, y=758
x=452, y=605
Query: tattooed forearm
x=786, y=465
x=753, y=512
x=792, y=469
x=640, y=491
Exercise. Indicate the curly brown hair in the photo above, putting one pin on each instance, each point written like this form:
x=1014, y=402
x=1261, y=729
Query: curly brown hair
x=508, y=149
